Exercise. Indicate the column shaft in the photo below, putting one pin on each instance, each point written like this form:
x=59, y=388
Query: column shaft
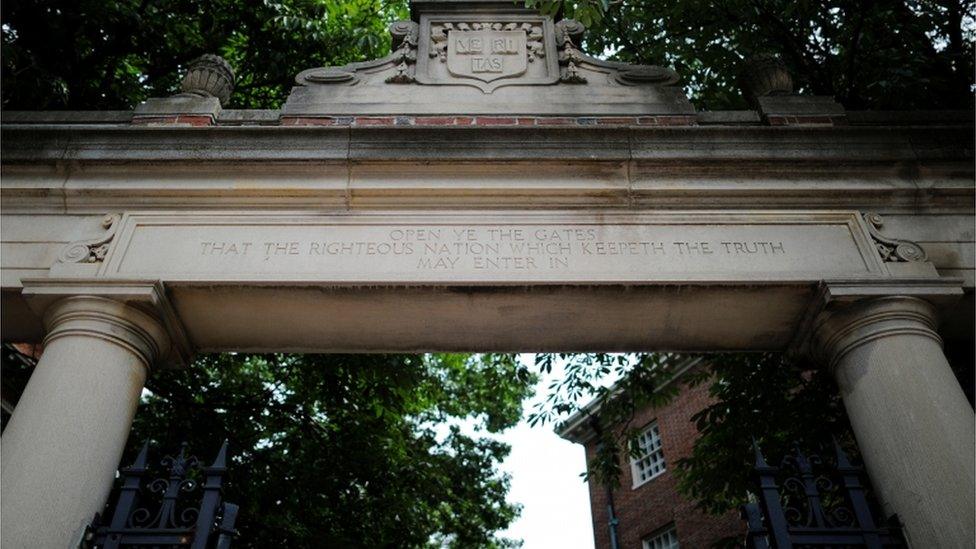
x=65, y=439
x=912, y=421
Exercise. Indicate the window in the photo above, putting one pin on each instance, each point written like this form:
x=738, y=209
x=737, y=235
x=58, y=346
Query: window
x=649, y=463
x=664, y=539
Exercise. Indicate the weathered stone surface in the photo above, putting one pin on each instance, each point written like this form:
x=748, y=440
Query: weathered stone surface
x=799, y=105
x=209, y=76
x=765, y=76
x=486, y=187
x=178, y=105
x=457, y=249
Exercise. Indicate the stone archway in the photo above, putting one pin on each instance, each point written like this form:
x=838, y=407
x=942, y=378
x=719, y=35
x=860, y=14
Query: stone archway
x=409, y=203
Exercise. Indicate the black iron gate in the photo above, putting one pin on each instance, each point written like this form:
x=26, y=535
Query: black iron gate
x=811, y=508
x=182, y=507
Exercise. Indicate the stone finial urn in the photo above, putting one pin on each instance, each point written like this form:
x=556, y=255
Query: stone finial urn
x=209, y=76
x=764, y=76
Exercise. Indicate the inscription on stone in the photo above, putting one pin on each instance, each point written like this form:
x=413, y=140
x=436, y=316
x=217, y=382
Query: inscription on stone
x=486, y=54
x=490, y=252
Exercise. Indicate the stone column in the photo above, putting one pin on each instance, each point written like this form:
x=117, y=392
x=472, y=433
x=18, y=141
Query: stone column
x=65, y=439
x=912, y=421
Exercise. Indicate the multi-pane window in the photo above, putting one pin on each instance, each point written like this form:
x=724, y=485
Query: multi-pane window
x=649, y=461
x=665, y=539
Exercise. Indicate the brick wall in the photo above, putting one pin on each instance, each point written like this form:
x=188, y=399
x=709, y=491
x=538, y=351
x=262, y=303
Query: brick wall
x=656, y=503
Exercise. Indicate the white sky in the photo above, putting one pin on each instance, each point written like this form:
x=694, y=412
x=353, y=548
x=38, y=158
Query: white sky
x=545, y=473
x=546, y=480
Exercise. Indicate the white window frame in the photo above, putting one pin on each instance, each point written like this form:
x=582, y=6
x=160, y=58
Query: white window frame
x=651, y=435
x=666, y=538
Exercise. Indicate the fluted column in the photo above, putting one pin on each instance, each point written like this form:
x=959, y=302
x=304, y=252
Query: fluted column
x=65, y=439
x=912, y=421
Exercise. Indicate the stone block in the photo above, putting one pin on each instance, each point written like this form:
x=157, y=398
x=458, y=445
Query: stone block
x=799, y=105
x=179, y=105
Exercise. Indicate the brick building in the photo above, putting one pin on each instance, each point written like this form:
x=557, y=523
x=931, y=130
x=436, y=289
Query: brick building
x=646, y=511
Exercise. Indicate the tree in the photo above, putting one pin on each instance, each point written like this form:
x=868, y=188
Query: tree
x=773, y=398
x=903, y=54
x=111, y=54
x=89, y=54
x=349, y=450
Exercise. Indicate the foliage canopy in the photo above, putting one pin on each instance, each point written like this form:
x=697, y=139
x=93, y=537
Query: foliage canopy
x=350, y=450
x=93, y=54
x=771, y=397
x=905, y=54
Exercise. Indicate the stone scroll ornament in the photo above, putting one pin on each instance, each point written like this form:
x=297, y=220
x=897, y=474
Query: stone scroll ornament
x=892, y=249
x=399, y=67
x=92, y=250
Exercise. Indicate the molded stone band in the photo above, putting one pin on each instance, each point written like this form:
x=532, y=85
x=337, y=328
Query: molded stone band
x=109, y=320
x=842, y=330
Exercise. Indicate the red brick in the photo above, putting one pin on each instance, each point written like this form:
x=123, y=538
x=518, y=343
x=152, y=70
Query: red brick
x=526, y=122
x=374, y=121
x=657, y=503
x=676, y=120
x=435, y=120
x=813, y=120
x=554, y=121
x=182, y=119
x=195, y=120
x=141, y=120
x=494, y=121
x=463, y=120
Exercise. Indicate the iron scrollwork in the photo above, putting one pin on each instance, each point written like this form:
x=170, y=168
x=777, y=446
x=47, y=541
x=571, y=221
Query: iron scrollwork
x=800, y=503
x=181, y=507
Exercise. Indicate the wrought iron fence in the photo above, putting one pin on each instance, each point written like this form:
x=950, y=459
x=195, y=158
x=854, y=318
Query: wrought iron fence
x=181, y=507
x=812, y=508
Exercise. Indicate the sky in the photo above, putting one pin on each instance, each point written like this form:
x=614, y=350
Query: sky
x=546, y=480
x=545, y=471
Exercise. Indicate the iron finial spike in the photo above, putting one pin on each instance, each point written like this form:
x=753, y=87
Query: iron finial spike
x=221, y=459
x=801, y=459
x=760, y=460
x=143, y=456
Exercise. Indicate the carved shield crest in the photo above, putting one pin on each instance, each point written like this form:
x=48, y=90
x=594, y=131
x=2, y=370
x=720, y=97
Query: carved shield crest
x=486, y=54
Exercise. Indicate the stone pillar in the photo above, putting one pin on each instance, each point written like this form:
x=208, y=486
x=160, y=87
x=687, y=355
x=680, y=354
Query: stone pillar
x=65, y=439
x=912, y=421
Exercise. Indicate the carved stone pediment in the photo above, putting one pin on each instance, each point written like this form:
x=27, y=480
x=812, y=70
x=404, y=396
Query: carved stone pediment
x=498, y=58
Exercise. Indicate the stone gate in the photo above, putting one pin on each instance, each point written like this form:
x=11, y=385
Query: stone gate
x=486, y=187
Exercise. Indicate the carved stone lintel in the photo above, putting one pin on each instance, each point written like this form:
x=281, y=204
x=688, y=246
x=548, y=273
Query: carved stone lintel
x=892, y=249
x=92, y=250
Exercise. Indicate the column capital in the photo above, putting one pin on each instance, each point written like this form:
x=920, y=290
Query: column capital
x=134, y=315
x=109, y=320
x=843, y=326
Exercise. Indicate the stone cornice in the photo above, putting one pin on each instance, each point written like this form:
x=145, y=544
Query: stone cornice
x=98, y=168
x=863, y=145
